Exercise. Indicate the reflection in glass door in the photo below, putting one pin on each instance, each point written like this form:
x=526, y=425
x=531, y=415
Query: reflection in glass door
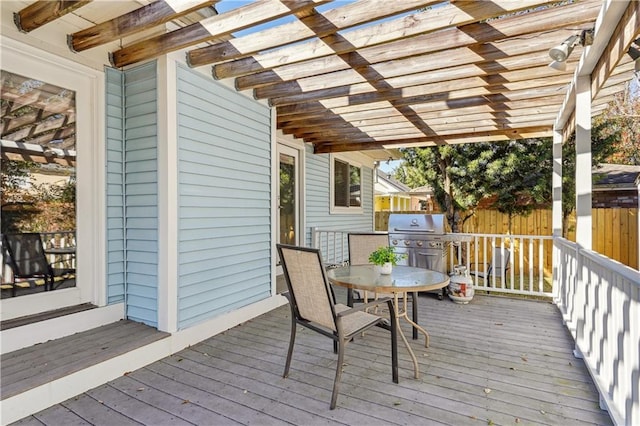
x=288, y=196
x=38, y=184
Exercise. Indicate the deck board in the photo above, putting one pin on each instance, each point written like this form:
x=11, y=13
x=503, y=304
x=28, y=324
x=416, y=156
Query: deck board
x=495, y=360
x=30, y=367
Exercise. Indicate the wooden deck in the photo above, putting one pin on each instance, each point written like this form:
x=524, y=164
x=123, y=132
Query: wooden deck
x=38, y=365
x=493, y=361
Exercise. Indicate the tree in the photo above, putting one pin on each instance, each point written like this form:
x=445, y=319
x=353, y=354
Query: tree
x=29, y=207
x=603, y=147
x=516, y=173
x=455, y=172
x=621, y=119
x=520, y=176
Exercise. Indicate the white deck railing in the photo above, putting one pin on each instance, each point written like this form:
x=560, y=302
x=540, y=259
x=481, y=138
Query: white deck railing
x=599, y=299
x=600, y=302
x=523, y=262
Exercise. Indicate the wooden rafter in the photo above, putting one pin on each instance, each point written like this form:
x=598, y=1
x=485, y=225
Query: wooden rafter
x=44, y=11
x=156, y=13
x=466, y=36
x=447, y=16
x=314, y=25
x=370, y=73
x=215, y=27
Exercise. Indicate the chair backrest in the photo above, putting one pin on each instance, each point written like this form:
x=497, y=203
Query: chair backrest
x=501, y=261
x=361, y=245
x=26, y=254
x=309, y=289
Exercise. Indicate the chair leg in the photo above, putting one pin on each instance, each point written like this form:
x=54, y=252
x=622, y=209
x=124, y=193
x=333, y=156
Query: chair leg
x=292, y=340
x=336, y=382
x=394, y=343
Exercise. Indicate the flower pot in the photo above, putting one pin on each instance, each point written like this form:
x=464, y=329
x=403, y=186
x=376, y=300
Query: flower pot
x=385, y=269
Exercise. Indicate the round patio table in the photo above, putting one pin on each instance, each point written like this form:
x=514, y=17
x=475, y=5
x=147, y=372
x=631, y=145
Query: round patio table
x=402, y=280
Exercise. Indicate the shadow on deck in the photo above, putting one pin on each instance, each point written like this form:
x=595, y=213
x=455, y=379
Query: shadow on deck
x=494, y=361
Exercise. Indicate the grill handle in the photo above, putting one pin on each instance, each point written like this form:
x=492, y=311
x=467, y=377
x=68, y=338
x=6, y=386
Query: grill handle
x=413, y=230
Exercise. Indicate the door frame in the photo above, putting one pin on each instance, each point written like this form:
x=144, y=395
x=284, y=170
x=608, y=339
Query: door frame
x=297, y=149
x=88, y=84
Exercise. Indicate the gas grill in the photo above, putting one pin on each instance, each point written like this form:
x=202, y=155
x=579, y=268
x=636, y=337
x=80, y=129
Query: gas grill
x=423, y=239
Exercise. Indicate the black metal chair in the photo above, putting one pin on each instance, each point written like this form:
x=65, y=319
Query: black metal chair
x=27, y=259
x=313, y=305
x=496, y=267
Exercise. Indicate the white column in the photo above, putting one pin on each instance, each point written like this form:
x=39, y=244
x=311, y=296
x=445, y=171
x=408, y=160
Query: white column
x=556, y=217
x=167, y=196
x=583, y=162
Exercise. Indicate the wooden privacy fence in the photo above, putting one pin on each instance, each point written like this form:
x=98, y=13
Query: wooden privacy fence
x=615, y=231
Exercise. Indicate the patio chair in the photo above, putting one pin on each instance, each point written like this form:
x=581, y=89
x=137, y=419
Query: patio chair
x=27, y=259
x=361, y=244
x=501, y=264
x=313, y=305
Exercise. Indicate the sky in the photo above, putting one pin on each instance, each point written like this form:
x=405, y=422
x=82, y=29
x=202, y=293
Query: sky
x=390, y=167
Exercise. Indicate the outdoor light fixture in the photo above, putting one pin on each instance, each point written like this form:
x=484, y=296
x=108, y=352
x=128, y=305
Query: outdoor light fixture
x=558, y=66
x=561, y=52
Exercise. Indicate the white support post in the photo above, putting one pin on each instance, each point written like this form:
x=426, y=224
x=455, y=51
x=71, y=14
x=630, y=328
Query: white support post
x=556, y=212
x=557, y=184
x=583, y=162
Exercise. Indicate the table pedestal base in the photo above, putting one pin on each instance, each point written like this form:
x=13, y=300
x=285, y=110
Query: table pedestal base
x=402, y=313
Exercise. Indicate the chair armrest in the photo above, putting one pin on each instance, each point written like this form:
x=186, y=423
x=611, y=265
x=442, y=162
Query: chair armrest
x=362, y=307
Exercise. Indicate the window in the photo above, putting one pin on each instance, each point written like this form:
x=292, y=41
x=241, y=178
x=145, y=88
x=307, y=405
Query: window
x=346, y=186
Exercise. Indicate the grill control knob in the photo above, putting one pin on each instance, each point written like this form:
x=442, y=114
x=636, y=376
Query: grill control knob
x=407, y=242
x=419, y=243
x=394, y=242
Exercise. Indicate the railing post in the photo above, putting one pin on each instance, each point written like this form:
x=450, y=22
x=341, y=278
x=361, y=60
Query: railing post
x=314, y=237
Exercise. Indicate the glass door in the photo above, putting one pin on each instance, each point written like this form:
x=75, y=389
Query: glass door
x=287, y=201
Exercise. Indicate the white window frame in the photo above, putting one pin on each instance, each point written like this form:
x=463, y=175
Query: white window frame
x=333, y=209
x=88, y=85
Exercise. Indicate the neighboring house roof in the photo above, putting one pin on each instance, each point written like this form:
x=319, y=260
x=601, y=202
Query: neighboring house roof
x=385, y=184
x=422, y=190
x=616, y=176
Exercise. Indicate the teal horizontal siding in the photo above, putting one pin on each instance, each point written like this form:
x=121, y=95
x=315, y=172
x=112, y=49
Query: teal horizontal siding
x=318, y=201
x=141, y=193
x=114, y=96
x=224, y=193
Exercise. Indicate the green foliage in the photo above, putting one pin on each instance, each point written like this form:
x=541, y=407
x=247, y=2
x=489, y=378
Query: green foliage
x=622, y=120
x=520, y=176
x=384, y=255
x=35, y=208
x=448, y=171
x=517, y=173
x=604, y=139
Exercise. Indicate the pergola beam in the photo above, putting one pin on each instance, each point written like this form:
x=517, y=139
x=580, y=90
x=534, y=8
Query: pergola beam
x=215, y=27
x=458, y=13
x=153, y=14
x=341, y=146
x=44, y=11
x=460, y=41
x=313, y=25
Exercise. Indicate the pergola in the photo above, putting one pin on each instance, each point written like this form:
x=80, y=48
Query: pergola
x=375, y=75
x=366, y=75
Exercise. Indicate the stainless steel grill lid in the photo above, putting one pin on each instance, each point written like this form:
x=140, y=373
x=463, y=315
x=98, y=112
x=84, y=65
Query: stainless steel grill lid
x=433, y=224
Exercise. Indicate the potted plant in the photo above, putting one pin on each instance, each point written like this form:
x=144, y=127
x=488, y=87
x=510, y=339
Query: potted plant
x=385, y=257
